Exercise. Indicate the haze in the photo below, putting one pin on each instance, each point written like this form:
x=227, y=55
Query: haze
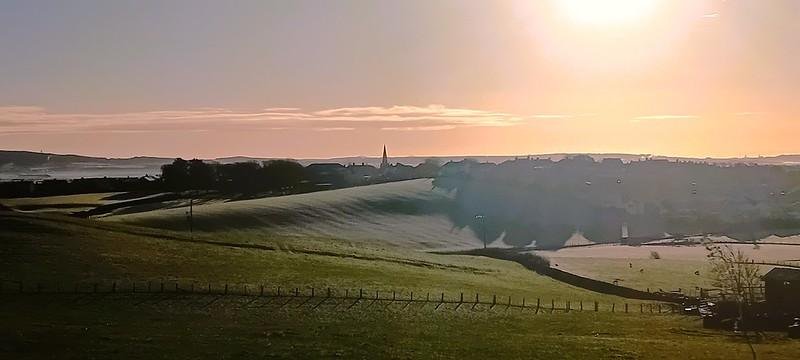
x=337, y=78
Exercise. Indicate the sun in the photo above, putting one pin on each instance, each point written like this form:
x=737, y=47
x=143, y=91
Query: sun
x=606, y=12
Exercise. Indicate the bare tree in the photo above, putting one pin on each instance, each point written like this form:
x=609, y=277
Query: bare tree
x=733, y=272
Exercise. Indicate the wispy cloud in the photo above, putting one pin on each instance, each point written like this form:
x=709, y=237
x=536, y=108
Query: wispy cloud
x=420, y=128
x=37, y=120
x=665, y=117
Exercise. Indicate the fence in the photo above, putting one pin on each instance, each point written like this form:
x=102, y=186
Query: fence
x=314, y=298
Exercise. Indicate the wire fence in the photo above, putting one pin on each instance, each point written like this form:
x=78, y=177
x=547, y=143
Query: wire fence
x=207, y=294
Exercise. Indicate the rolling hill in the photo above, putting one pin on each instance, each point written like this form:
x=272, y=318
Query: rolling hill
x=409, y=214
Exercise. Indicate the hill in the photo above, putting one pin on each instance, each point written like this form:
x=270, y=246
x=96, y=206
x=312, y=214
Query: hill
x=408, y=213
x=28, y=164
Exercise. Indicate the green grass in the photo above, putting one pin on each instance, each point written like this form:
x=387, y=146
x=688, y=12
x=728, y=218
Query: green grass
x=59, y=204
x=408, y=214
x=57, y=249
x=117, y=328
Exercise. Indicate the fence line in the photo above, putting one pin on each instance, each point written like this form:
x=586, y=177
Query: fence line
x=313, y=298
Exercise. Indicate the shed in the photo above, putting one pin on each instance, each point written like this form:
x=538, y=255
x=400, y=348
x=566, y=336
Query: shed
x=782, y=289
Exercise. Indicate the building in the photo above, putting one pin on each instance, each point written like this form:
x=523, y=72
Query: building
x=782, y=290
x=385, y=159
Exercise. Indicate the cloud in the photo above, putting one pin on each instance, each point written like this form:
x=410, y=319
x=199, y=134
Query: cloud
x=420, y=128
x=665, y=117
x=37, y=120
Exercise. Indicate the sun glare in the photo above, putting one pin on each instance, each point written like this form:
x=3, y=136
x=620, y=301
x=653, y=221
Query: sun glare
x=606, y=12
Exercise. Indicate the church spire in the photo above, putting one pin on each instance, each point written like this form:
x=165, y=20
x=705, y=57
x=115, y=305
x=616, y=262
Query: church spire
x=385, y=160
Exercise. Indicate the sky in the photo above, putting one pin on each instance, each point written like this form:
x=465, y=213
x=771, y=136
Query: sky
x=311, y=79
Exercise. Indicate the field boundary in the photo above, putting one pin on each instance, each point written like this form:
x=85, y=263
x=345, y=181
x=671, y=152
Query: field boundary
x=313, y=298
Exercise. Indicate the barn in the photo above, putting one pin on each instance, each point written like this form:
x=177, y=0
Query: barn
x=782, y=290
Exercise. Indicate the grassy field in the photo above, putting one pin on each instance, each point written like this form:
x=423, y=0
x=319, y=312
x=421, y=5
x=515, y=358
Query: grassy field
x=122, y=329
x=56, y=249
x=408, y=214
x=634, y=266
x=59, y=204
x=237, y=245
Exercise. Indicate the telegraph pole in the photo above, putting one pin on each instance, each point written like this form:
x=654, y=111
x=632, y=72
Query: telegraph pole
x=482, y=220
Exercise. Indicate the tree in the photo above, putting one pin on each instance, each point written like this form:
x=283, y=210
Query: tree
x=734, y=273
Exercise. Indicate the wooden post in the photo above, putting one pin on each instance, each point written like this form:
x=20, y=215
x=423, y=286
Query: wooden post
x=538, y=302
x=641, y=308
x=659, y=308
x=329, y=292
x=509, y=301
x=595, y=306
x=462, y=298
x=552, y=305
x=581, y=305
x=360, y=293
x=442, y=297
x=412, y=296
x=523, y=302
x=477, y=299
x=114, y=287
x=261, y=290
x=566, y=306
x=394, y=295
x=209, y=288
x=613, y=307
x=494, y=300
x=226, y=289
x=626, y=308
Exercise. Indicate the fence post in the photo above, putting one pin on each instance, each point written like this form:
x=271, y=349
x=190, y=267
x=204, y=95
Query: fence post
x=523, y=303
x=209, y=288
x=626, y=308
x=162, y=287
x=566, y=307
x=659, y=308
x=245, y=289
x=581, y=305
x=613, y=307
x=442, y=297
x=329, y=292
x=641, y=308
x=394, y=295
x=226, y=289
x=538, y=302
x=494, y=300
x=552, y=305
x=412, y=296
x=509, y=301
x=312, y=292
x=595, y=306
x=477, y=299
x=360, y=293
x=261, y=291
x=462, y=298
x=176, y=287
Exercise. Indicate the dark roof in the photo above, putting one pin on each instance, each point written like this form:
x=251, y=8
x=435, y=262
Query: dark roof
x=782, y=274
